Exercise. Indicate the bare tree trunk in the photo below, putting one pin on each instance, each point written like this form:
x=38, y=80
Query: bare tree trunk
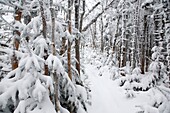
x=53, y=30
x=81, y=21
x=93, y=37
x=116, y=34
x=69, y=43
x=81, y=18
x=63, y=46
x=102, y=40
x=77, y=40
x=17, y=34
x=44, y=33
x=27, y=18
x=123, y=37
x=56, y=101
x=143, y=46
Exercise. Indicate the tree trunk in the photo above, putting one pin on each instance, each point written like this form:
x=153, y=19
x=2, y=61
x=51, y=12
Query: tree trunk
x=93, y=37
x=82, y=15
x=14, y=60
x=54, y=73
x=63, y=46
x=69, y=43
x=44, y=33
x=143, y=46
x=77, y=40
x=123, y=38
x=116, y=34
x=102, y=40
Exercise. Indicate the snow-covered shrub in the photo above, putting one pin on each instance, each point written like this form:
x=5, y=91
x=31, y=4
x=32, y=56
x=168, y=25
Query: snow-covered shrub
x=159, y=101
x=71, y=96
x=157, y=69
x=27, y=87
x=156, y=75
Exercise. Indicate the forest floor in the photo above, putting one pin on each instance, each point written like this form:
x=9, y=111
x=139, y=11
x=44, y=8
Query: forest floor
x=109, y=97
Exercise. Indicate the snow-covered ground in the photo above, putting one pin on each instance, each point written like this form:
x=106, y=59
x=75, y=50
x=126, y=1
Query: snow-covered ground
x=108, y=97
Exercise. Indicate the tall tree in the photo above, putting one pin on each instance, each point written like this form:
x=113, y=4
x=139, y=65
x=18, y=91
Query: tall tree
x=53, y=72
x=44, y=33
x=82, y=15
x=77, y=40
x=69, y=40
x=102, y=37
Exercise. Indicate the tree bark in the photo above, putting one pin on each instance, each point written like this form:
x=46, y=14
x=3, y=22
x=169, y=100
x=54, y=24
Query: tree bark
x=143, y=46
x=116, y=34
x=102, y=40
x=93, y=37
x=63, y=46
x=44, y=30
x=77, y=40
x=81, y=18
x=44, y=33
x=14, y=60
x=69, y=43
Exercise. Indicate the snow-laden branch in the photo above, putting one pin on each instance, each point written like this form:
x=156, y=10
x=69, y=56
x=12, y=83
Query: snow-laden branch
x=115, y=2
x=92, y=9
x=9, y=3
x=6, y=22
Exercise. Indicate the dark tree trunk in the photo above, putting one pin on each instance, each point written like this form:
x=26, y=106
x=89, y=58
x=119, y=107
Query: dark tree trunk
x=102, y=40
x=63, y=46
x=143, y=46
x=69, y=43
x=82, y=15
x=77, y=40
x=44, y=31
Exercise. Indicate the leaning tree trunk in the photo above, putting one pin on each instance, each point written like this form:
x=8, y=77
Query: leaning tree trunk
x=77, y=40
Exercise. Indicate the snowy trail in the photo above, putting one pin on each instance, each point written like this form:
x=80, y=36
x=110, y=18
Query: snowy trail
x=107, y=97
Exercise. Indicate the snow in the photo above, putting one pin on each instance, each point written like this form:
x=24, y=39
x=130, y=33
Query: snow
x=108, y=97
x=106, y=94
